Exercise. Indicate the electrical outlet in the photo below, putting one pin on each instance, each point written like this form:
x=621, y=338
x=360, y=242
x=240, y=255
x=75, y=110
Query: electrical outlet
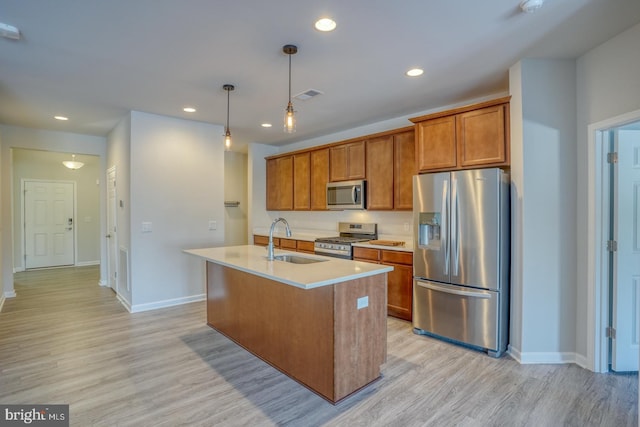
x=363, y=302
x=213, y=225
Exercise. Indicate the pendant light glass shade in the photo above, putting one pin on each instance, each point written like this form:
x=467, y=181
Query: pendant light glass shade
x=227, y=131
x=72, y=164
x=289, y=112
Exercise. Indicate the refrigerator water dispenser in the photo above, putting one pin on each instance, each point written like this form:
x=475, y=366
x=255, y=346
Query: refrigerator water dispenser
x=429, y=230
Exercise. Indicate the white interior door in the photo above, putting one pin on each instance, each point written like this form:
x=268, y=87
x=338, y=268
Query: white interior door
x=49, y=223
x=112, y=240
x=626, y=260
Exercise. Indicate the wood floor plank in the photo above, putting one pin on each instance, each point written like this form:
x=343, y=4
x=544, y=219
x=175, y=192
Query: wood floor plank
x=64, y=339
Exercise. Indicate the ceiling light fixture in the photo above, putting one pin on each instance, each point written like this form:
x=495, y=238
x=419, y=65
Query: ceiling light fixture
x=530, y=6
x=289, y=115
x=72, y=164
x=9, y=31
x=325, y=24
x=266, y=125
x=189, y=110
x=227, y=132
x=415, y=72
x=61, y=118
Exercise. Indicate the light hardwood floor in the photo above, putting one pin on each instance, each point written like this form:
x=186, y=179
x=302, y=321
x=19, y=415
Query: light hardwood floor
x=64, y=339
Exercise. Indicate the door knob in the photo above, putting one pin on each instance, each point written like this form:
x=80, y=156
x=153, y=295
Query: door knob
x=108, y=236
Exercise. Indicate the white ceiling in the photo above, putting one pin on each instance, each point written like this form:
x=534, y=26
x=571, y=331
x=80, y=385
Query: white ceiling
x=95, y=60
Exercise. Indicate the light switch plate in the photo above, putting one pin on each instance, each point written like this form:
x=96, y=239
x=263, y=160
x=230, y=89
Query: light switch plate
x=363, y=302
x=147, y=227
x=213, y=225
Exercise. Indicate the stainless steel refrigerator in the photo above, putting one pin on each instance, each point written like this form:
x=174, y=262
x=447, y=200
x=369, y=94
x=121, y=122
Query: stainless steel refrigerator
x=461, y=257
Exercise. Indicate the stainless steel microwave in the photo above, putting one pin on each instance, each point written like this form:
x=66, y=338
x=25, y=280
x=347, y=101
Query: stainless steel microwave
x=346, y=195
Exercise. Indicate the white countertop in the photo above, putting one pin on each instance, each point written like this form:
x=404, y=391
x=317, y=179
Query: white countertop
x=253, y=259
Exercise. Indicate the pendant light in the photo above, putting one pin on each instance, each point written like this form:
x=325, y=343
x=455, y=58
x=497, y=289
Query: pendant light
x=227, y=132
x=289, y=114
x=72, y=164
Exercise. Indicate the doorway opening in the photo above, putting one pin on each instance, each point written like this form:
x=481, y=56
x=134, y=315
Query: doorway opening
x=614, y=244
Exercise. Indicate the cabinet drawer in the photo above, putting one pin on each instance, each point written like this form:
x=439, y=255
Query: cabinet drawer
x=366, y=253
x=264, y=241
x=397, y=257
x=305, y=246
x=288, y=244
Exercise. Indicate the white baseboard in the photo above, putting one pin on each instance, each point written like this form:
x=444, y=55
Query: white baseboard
x=551, y=358
x=10, y=294
x=2, y=299
x=18, y=269
x=167, y=303
x=103, y=282
x=124, y=302
x=583, y=362
x=87, y=263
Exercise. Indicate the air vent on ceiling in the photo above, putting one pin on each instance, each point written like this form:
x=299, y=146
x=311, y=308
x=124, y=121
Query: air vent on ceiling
x=308, y=94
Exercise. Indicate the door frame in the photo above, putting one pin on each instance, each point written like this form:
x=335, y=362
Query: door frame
x=116, y=260
x=598, y=219
x=23, y=219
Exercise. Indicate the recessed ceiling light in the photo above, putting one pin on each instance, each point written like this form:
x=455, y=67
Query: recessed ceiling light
x=529, y=6
x=189, y=110
x=63, y=118
x=325, y=24
x=266, y=125
x=415, y=72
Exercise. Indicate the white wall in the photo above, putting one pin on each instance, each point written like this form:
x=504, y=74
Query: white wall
x=608, y=85
x=47, y=165
x=235, y=189
x=17, y=137
x=177, y=184
x=544, y=183
x=119, y=155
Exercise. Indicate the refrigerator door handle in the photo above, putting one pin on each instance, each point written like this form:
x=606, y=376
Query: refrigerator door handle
x=445, y=225
x=434, y=287
x=455, y=226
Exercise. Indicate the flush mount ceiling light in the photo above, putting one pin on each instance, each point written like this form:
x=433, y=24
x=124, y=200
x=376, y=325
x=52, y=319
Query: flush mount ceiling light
x=72, y=164
x=61, y=118
x=227, y=132
x=415, y=72
x=266, y=125
x=9, y=31
x=530, y=6
x=189, y=110
x=289, y=113
x=325, y=24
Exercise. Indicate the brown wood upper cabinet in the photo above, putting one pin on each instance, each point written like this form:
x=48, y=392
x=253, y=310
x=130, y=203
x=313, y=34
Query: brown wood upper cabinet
x=302, y=181
x=467, y=137
x=347, y=161
x=391, y=165
x=280, y=183
x=319, y=178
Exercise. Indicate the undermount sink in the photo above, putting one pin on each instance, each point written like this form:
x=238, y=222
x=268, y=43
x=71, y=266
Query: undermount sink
x=295, y=259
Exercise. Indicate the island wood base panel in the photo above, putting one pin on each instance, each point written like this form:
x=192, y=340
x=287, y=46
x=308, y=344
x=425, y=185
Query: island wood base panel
x=316, y=336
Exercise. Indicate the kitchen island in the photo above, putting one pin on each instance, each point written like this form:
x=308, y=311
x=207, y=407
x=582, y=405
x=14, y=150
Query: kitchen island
x=321, y=323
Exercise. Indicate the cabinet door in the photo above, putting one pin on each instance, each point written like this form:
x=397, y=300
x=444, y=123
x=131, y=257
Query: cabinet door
x=436, y=144
x=400, y=291
x=380, y=180
x=356, y=155
x=272, y=184
x=481, y=137
x=319, y=178
x=404, y=167
x=301, y=181
x=347, y=161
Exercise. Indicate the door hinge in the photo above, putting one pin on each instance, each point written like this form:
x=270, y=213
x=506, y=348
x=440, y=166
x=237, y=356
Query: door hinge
x=612, y=245
x=612, y=157
x=611, y=332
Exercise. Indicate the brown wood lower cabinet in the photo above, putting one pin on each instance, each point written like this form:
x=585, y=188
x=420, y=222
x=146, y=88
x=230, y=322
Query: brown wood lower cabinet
x=319, y=336
x=399, y=281
x=282, y=243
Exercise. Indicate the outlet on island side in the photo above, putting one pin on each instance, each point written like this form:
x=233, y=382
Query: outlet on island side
x=363, y=302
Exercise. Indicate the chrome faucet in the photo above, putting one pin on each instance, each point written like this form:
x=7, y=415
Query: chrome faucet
x=270, y=245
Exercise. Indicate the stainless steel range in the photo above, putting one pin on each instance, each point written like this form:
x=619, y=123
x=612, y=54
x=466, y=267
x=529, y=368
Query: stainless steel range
x=340, y=246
